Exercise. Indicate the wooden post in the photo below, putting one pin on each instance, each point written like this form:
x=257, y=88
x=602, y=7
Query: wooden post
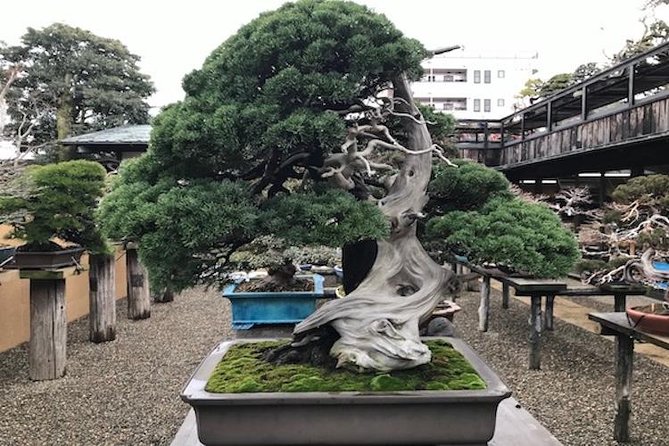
x=624, y=362
x=164, y=296
x=102, y=298
x=548, y=313
x=139, y=300
x=535, y=332
x=505, y=295
x=471, y=285
x=484, y=304
x=619, y=302
x=48, y=329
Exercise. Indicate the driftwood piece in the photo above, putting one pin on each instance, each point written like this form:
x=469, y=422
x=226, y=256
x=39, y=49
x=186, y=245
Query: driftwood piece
x=48, y=329
x=102, y=298
x=378, y=322
x=139, y=296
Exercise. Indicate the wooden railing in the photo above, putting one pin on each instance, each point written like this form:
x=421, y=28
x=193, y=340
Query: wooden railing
x=644, y=121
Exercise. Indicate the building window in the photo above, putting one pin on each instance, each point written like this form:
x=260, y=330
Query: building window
x=477, y=102
x=477, y=76
x=448, y=78
x=486, y=76
x=451, y=104
x=500, y=102
x=486, y=105
x=501, y=74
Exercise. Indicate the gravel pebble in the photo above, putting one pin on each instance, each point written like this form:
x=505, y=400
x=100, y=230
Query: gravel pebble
x=127, y=392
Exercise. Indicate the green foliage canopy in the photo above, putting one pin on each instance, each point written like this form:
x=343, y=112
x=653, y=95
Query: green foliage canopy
x=61, y=202
x=468, y=187
x=264, y=110
x=651, y=190
x=527, y=237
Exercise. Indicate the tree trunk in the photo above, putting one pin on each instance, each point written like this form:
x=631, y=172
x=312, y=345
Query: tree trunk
x=102, y=298
x=139, y=301
x=378, y=322
x=64, y=120
x=48, y=329
x=163, y=296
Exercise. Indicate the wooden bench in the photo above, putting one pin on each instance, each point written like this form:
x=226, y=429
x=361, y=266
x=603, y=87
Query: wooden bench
x=515, y=427
x=618, y=325
x=536, y=290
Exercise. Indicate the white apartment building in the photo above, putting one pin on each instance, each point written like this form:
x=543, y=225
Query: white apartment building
x=472, y=85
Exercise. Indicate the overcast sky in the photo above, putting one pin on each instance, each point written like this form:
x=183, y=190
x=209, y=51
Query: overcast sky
x=173, y=38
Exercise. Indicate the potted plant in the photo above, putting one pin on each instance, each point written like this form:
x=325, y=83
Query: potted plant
x=55, y=214
x=473, y=214
x=286, y=131
x=281, y=296
x=628, y=243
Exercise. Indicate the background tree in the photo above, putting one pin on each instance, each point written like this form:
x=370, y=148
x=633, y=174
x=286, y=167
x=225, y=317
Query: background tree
x=655, y=33
x=70, y=82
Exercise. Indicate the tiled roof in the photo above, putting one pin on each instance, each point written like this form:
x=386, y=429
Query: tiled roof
x=126, y=135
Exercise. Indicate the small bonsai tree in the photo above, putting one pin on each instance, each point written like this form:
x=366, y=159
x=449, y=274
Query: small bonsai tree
x=58, y=201
x=281, y=261
x=632, y=231
x=477, y=216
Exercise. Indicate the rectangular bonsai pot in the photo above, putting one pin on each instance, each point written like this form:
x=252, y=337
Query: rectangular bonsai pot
x=286, y=307
x=46, y=260
x=450, y=417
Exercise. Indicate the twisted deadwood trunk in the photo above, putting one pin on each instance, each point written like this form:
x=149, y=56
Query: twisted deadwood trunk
x=378, y=323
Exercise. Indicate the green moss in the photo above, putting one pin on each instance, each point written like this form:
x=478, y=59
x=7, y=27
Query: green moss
x=243, y=370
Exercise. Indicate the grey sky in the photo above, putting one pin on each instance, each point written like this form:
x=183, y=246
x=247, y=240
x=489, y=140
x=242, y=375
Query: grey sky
x=174, y=38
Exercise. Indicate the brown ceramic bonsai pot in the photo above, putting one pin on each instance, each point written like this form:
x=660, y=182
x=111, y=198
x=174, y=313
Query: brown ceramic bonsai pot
x=653, y=318
x=47, y=259
x=445, y=417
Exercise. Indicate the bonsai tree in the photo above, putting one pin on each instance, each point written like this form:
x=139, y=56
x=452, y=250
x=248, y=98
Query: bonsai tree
x=281, y=262
x=280, y=133
x=631, y=232
x=475, y=214
x=57, y=201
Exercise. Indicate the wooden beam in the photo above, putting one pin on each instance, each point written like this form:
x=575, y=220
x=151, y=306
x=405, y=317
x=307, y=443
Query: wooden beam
x=584, y=103
x=535, y=332
x=139, y=296
x=102, y=298
x=630, y=86
x=624, y=368
x=48, y=274
x=484, y=304
x=48, y=329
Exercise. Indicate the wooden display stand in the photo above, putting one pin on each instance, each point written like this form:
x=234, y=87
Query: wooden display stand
x=48, y=323
x=139, y=295
x=102, y=298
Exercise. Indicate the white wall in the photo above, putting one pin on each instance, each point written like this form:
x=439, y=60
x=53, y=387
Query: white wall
x=508, y=74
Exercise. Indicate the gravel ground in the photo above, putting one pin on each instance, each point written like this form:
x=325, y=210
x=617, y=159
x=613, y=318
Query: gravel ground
x=573, y=395
x=126, y=392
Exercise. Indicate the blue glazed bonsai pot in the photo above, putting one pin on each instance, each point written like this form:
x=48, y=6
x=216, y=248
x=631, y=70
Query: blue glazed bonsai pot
x=286, y=307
